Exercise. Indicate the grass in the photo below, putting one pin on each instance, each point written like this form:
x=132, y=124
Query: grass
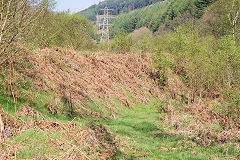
x=138, y=130
x=36, y=143
x=35, y=100
x=140, y=133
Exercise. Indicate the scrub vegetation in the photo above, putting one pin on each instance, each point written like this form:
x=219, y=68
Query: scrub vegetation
x=166, y=87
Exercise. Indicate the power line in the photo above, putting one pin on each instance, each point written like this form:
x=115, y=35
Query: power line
x=103, y=23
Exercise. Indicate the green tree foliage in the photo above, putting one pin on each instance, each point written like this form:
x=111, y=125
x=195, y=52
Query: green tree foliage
x=160, y=13
x=210, y=66
x=24, y=21
x=122, y=43
x=141, y=18
x=202, y=5
x=209, y=63
x=215, y=22
x=151, y=17
x=62, y=29
x=117, y=6
x=220, y=19
x=17, y=17
x=163, y=63
x=143, y=40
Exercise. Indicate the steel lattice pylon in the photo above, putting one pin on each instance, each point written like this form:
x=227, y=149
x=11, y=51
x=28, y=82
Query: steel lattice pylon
x=103, y=23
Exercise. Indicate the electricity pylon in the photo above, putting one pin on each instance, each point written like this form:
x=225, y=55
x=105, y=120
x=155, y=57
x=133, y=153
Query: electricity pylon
x=103, y=23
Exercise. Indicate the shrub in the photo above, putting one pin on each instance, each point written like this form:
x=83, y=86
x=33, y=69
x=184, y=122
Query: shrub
x=16, y=20
x=62, y=29
x=209, y=65
x=164, y=65
x=122, y=43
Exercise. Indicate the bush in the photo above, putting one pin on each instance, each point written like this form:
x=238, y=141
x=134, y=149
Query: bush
x=122, y=43
x=164, y=65
x=16, y=21
x=143, y=40
x=62, y=29
x=208, y=64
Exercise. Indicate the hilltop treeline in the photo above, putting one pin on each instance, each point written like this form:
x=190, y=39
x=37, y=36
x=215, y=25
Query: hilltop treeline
x=160, y=13
x=117, y=7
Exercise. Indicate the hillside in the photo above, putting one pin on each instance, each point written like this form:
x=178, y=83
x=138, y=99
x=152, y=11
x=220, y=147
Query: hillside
x=66, y=89
x=165, y=86
x=159, y=14
x=117, y=6
x=74, y=94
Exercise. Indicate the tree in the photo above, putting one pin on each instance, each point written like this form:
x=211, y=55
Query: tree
x=202, y=5
x=122, y=43
x=16, y=19
x=233, y=17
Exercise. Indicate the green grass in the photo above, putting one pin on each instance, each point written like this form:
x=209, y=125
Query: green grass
x=138, y=131
x=36, y=143
x=141, y=133
x=38, y=102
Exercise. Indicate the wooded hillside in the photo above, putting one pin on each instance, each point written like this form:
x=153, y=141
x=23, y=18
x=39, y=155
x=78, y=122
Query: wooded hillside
x=160, y=13
x=117, y=6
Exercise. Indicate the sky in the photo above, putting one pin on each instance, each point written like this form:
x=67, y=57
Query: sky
x=74, y=5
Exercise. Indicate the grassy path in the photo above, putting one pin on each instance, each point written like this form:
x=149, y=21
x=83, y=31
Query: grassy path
x=141, y=134
x=138, y=131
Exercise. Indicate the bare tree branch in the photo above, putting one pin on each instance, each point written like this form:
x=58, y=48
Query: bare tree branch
x=16, y=17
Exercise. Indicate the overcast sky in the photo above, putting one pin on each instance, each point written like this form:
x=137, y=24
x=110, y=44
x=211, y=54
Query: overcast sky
x=74, y=5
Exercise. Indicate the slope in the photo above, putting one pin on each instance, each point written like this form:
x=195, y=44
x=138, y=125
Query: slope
x=117, y=6
x=161, y=13
x=144, y=133
x=73, y=105
x=48, y=112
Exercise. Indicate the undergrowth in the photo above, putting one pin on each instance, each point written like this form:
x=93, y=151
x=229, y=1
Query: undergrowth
x=133, y=131
x=141, y=134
